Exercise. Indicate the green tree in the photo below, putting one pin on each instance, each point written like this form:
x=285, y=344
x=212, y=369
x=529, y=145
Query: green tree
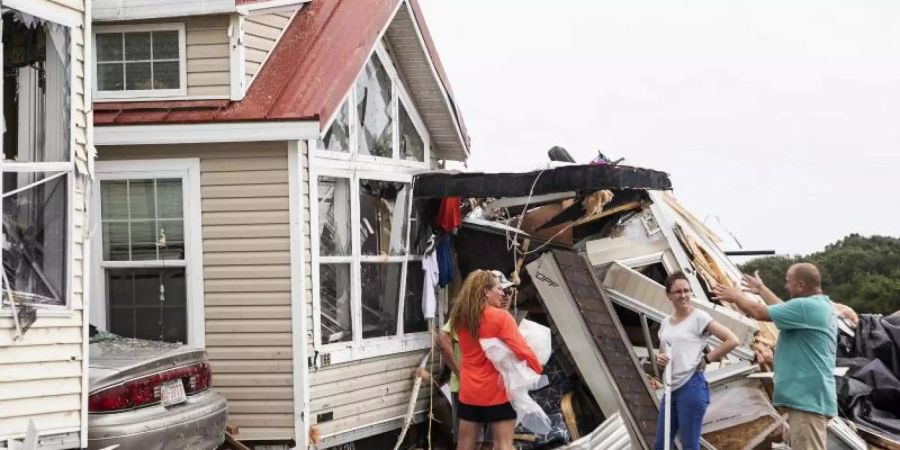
x=861, y=272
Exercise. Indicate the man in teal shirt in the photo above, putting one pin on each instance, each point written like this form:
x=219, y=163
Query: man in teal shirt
x=805, y=352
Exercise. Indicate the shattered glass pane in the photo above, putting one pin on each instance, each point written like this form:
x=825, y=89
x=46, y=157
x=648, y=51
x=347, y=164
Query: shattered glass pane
x=334, y=301
x=337, y=138
x=373, y=104
x=35, y=238
x=142, y=219
x=380, y=298
x=412, y=148
x=334, y=216
x=138, y=308
x=383, y=217
x=413, y=316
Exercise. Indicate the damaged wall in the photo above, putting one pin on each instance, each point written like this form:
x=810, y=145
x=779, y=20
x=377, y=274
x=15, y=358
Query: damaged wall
x=43, y=375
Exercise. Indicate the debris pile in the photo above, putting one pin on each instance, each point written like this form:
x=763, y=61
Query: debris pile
x=589, y=247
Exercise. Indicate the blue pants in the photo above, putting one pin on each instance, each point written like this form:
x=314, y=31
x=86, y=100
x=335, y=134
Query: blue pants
x=689, y=403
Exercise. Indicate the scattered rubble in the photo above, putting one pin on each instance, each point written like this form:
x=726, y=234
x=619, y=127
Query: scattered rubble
x=590, y=246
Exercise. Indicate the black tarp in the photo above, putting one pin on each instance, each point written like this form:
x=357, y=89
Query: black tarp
x=870, y=393
x=577, y=178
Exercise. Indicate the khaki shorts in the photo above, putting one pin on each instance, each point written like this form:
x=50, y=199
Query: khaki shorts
x=808, y=430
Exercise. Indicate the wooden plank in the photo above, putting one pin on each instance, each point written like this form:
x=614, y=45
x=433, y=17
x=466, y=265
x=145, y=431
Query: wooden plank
x=250, y=434
x=245, y=421
x=196, y=36
x=361, y=395
x=246, y=258
x=240, y=232
x=256, y=190
x=245, y=244
x=40, y=353
x=207, y=65
x=43, y=336
x=241, y=298
x=245, y=204
x=200, y=51
x=251, y=366
x=260, y=407
x=40, y=388
x=355, y=369
x=262, y=31
x=252, y=380
x=40, y=371
x=255, y=55
x=244, y=163
x=210, y=91
x=249, y=353
x=248, y=326
x=230, y=177
x=370, y=417
x=49, y=421
x=270, y=20
x=208, y=79
x=362, y=381
x=43, y=405
x=245, y=217
x=256, y=393
x=247, y=312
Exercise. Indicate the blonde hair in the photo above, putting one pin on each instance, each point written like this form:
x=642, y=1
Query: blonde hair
x=470, y=302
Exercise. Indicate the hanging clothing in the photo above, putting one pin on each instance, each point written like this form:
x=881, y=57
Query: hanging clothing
x=449, y=218
x=430, y=269
x=444, y=260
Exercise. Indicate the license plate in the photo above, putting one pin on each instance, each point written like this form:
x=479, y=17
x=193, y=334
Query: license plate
x=172, y=392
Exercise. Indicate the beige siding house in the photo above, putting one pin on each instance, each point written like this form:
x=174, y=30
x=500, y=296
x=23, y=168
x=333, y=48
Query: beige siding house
x=295, y=262
x=45, y=173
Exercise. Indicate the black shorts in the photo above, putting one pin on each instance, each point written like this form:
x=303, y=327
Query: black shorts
x=486, y=414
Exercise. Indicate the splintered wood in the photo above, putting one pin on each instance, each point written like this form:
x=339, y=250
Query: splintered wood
x=737, y=438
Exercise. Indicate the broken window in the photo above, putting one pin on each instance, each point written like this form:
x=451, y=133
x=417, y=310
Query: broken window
x=412, y=148
x=35, y=237
x=143, y=257
x=337, y=138
x=334, y=216
x=37, y=167
x=139, y=60
x=334, y=303
x=380, y=298
x=374, y=105
x=383, y=217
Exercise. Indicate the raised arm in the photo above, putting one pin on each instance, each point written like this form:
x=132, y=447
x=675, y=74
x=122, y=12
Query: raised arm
x=750, y=307
x=754, y=285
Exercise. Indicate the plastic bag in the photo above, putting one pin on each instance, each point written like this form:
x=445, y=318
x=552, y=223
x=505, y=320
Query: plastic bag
x=538, y=338
x=518, y=379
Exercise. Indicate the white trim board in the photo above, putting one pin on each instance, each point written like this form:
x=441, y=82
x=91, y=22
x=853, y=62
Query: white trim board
x=205, y=133
x=116, y=10
x=299, y=342
x=269, y=6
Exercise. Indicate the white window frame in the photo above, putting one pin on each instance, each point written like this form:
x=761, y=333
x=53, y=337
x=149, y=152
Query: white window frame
x=188, y=169
x=399, y=95
x=51, y=168
x=144, y=93
x=358, y=347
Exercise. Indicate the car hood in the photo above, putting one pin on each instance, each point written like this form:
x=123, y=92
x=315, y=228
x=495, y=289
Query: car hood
x=119, y=359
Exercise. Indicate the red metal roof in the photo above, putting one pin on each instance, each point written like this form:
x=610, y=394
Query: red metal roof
x=305, y=78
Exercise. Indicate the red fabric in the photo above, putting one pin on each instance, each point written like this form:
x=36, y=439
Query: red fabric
x=448, y=217
x=479, y=382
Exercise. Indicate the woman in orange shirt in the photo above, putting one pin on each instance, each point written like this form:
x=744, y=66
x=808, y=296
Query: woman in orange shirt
x=482, y=396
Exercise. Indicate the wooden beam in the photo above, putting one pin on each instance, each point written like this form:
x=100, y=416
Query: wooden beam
x=608, y=212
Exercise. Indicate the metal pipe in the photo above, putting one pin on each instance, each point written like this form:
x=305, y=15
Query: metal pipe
x=649, y=342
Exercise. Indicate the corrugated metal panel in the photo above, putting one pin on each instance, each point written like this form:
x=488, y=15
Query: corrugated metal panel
x=246, y=278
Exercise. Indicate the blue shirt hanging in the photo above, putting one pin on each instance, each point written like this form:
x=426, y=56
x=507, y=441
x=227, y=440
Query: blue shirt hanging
x=444, y=260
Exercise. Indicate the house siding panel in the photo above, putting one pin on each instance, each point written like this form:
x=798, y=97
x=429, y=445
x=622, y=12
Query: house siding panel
x=41, y=374
x=246, y=266
x=261, y=32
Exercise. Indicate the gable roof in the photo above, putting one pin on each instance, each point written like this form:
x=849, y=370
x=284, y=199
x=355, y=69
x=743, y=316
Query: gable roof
x=314, y=65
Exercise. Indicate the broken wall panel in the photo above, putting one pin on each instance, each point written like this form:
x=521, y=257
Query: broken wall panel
x=589, y=328
x=635, y=285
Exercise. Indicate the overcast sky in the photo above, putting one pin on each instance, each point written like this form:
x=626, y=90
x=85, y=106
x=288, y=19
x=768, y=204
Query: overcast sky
x=781, y=118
